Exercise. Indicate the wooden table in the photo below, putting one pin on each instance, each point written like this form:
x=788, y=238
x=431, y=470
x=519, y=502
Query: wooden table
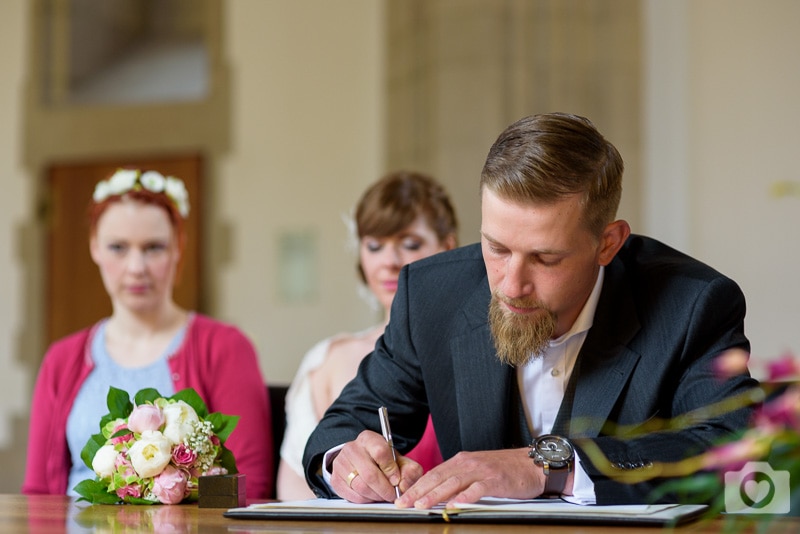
x=59, y=514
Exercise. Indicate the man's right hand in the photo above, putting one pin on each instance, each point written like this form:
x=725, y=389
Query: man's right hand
x=364, y=470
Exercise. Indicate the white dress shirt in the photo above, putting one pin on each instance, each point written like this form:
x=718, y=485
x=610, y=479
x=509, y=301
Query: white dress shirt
x=543, y=381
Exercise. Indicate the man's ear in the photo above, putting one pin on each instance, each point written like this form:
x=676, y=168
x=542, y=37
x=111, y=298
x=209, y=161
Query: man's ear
x=614, y=236
x=449, y=242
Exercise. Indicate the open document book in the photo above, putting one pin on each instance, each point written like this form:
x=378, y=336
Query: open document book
x=489, y=510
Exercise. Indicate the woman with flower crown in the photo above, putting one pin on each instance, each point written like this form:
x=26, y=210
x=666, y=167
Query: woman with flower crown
x=136, y=238
x=401, y=218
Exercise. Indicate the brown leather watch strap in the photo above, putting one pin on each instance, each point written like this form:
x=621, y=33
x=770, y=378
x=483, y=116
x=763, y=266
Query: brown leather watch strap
x=555, y=482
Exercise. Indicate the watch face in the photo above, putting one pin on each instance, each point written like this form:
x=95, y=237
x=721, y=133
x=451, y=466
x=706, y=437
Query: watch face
x=554, y=449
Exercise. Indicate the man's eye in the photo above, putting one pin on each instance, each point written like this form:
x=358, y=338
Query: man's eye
x=549, y=262
x=116, y=247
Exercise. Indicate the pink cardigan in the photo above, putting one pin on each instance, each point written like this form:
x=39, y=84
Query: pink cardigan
x=215, y=359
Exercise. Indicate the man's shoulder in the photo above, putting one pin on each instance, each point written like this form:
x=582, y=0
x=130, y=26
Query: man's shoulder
x=466, y=257
x=648, y=255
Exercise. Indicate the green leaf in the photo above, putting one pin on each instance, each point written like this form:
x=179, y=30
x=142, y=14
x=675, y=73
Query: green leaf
x=95, y=492
x=193, y=399
x=139, y=500
x=146, y=396
x=222, y=425
x=227, y=460
x=119, y=403
x=90, y=449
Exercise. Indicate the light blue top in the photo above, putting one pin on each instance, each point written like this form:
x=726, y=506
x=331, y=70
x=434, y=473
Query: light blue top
x=90, y=404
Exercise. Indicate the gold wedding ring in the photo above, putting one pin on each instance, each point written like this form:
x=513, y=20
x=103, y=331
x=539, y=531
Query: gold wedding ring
x=353, y=474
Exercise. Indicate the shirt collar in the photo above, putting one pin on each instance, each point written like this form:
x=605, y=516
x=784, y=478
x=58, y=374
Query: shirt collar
x=585, y=318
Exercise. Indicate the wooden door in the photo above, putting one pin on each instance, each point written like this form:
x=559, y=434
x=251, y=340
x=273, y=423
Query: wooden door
x=75, y=296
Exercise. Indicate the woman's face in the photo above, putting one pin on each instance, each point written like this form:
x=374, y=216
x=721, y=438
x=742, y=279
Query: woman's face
x=383, y=257
x=135, y=248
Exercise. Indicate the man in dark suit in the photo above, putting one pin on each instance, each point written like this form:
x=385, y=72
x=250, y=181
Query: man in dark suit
x=555, y=358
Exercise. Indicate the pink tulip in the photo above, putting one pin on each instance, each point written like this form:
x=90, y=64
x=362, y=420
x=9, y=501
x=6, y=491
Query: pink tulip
x=145, y=417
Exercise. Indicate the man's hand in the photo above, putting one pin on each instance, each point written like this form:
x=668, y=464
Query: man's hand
x=364, y=470
x=469, y=476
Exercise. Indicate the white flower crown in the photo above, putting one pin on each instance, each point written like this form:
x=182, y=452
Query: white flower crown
x=125, y=180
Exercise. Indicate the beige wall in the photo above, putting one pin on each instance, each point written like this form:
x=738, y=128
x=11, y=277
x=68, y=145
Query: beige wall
x=306, y=137
x=15, y=206
x=306, y=103
x=722, y=136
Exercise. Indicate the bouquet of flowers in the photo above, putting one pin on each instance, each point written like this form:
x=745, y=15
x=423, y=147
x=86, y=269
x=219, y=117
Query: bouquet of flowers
x=153, y=451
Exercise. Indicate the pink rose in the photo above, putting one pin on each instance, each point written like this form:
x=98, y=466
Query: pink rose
x=170, y=486
x=124, y=438
x=131, y=490
x=123, y=466
x=145, y=417
x=183, y=456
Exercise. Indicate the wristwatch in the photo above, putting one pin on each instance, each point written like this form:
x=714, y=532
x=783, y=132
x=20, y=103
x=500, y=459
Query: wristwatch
x=556, y=456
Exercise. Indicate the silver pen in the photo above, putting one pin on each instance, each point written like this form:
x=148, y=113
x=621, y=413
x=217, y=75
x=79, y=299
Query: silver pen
x=383, y=413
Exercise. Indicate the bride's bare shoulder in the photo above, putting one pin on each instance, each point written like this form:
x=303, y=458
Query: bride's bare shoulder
x=353, y=345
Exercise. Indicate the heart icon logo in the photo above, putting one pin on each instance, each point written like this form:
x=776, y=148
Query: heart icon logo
x=757, y=489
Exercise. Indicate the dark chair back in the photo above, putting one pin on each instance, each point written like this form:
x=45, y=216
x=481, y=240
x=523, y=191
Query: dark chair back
x=277, y=403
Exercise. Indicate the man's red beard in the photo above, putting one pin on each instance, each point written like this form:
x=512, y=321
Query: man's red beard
x=520, y=337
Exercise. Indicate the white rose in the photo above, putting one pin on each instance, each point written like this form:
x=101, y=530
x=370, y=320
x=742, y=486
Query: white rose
x=101, y=191
x=153, y=181
x=122, y=181
x=180, y=419
x=150, y=454
x=104, y=460
x=176, y=190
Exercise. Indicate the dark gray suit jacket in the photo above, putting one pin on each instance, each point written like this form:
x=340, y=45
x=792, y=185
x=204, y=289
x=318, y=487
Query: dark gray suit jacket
x=661, y=319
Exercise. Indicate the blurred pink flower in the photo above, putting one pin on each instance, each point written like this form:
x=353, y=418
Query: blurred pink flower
x=781, y=412
x=170, y=485
x=734, y=455
x=784, y=367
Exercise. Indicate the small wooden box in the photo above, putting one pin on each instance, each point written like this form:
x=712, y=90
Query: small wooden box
x=222, y=491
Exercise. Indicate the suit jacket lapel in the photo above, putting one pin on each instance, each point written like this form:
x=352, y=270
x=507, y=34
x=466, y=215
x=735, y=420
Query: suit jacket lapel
x=604, y=363
x=484, y=386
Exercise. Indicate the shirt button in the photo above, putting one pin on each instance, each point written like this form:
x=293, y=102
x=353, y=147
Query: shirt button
x=554, y=372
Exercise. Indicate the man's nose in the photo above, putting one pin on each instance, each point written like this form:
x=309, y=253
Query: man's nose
x=517, y=282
